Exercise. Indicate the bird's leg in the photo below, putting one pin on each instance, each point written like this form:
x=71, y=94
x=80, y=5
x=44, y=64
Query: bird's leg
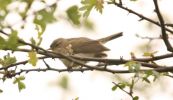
x=100, y=64
x=70, y=66
x=81, y=66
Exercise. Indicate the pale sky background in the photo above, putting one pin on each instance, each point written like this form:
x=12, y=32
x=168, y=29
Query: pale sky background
x=93, y=85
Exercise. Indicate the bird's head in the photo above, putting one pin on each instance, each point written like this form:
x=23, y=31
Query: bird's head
x=58, y=43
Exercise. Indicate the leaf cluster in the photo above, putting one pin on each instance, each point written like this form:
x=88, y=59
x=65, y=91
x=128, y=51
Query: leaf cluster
x=19, y=82
x=88, y=5
x=10, y=43
x=7, y=60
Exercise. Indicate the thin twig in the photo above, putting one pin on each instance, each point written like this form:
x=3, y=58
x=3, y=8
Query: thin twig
x=123, y=89
x=47, y=65
x=169, y=25
x=150, y=38
x=139, y=15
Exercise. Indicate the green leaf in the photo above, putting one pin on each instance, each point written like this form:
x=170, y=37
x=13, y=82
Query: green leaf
x=146, y=79
x=149, y=54
x=86, y=13
x=1, y=90
x=74, y=15
x=45, y=16
x=133, y=66
x=122, y=85
x=2, y=43
x=149, y=73
x=33, y=58
x=40, y=31
x=64, y=82
x=4, y=3
x=39, y=42
x=15, y=81
x=88, y=5
x=3, y=15
x=21, y=86
x=83, y=8
x=33, y=41
x=41, y=23
x=77, y=98
x=7, y=60
x=114, y=88
x=21, y=78
x=136, y=98
x=99, y=5
x=10, y=60
x=18, y=81
x=12, y=42
x=89, y=24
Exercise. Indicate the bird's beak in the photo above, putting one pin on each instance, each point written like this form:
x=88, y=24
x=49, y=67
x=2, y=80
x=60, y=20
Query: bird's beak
x=49, y=49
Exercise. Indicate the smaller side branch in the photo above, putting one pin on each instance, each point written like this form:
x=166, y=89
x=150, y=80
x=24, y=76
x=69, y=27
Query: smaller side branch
x=130, y=94
x=169, y=25
x=166, y=69
x=19, y=63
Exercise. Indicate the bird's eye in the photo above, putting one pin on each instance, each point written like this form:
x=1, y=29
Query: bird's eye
x=56, y=44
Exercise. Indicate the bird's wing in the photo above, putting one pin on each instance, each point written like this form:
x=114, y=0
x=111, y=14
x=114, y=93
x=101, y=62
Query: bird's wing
x=86, y=45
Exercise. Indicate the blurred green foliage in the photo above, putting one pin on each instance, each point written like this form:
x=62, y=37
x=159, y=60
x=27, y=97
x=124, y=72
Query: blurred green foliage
x=74, y=15
x=148, y=74
x=88, y=5
x=1, y=91
x=32, y=58
x=7, y=60
x=64, y=82
x=18, y=81
x=11, y=43
x=133, y=66
x=45, y=16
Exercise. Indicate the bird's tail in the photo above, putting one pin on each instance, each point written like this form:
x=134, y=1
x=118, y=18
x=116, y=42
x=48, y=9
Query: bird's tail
x=111, y=37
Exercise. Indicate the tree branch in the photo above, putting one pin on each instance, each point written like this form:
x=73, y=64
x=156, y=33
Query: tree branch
x=142, y=61
x=106, y=61
x=163, y=28
x=49, y=54
x=139, y=15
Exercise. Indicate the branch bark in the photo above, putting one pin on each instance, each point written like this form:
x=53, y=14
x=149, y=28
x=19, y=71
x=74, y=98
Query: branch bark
x=139, y=15
x=162, y=25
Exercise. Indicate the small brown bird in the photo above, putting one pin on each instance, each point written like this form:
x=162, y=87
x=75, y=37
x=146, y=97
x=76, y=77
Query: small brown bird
x=82, y=47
